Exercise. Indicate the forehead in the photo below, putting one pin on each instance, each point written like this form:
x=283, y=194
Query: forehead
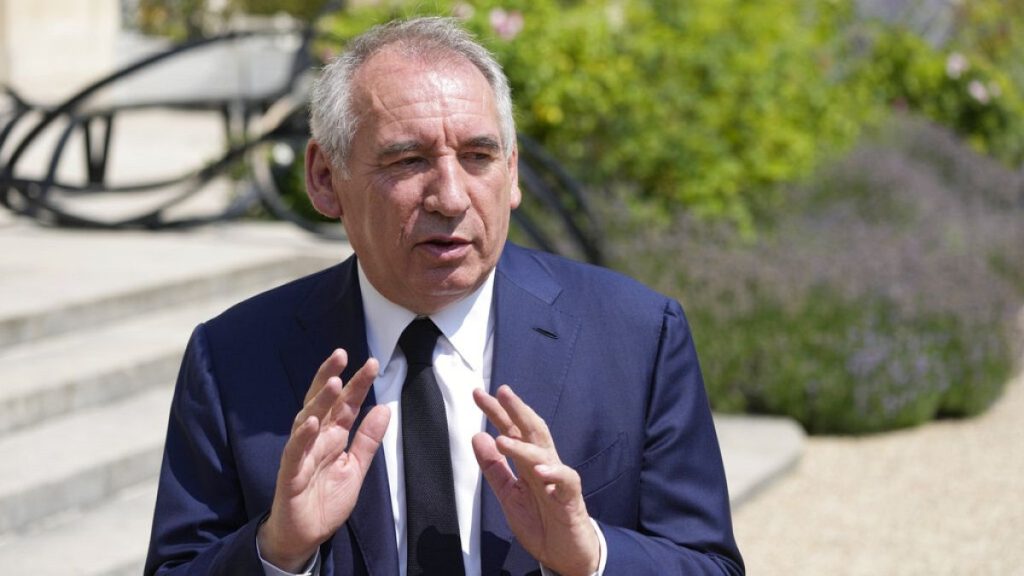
x=395, y=90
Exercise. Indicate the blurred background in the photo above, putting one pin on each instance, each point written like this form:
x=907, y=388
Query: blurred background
x=834, y=189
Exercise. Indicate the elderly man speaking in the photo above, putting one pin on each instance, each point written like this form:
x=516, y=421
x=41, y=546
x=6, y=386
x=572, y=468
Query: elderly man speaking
x=443, y=402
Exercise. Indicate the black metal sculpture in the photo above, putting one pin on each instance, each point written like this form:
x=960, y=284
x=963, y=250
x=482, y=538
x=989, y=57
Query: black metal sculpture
x=259, y=125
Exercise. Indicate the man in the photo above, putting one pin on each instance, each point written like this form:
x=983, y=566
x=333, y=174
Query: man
x=598, y=457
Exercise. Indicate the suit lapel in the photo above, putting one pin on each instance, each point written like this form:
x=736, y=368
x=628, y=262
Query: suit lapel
x=533, y=345
x=332, y=317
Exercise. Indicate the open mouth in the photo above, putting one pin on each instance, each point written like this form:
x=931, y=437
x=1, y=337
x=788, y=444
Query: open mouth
x=446, y=247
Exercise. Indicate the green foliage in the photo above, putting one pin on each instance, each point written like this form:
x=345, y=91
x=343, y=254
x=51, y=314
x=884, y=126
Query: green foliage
x=962, y=90
x=177, y=19
x=302, y=9
x=993, y=30
x=701, y=103
x=190, y=19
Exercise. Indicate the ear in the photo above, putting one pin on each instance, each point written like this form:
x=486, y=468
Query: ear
x=320, y=181
x=516, y=195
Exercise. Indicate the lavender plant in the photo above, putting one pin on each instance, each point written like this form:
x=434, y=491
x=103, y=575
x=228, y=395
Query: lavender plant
x=883, y=295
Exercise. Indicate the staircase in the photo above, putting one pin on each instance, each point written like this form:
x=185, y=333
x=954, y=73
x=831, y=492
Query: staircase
x=92, y=329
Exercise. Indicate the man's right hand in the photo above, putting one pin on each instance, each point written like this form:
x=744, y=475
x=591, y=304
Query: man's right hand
x=318, y=481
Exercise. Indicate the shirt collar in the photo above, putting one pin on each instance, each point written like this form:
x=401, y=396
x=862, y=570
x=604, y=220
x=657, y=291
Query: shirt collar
x=466, y=324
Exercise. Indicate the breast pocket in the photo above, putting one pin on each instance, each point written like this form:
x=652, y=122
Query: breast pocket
x=604, y=467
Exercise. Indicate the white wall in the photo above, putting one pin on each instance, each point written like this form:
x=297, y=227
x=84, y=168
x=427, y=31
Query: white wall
x=50, y=48
x=3, y=41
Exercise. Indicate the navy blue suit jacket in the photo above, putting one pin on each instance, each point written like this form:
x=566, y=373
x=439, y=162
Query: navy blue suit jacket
x=608, y=364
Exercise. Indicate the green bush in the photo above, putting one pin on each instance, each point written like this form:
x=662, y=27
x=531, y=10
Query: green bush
x=993, y=31
x=708, y=105
x=191, y=19
x=886, y=295
x=705, y=104
x=962, y=90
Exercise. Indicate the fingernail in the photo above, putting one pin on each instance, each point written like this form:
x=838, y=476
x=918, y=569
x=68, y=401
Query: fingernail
x=543, y=469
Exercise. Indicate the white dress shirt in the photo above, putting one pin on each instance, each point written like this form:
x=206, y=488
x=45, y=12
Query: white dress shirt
x=462, y=363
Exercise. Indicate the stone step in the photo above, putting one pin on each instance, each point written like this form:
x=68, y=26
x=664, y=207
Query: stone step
x=111, y=538
x=107, y=540
x=54, y=281
x=44, y=379
x=81, y=459
x=756, y=450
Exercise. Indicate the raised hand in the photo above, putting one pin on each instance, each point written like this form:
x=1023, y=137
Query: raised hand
x=544, y=505
x=318, y=481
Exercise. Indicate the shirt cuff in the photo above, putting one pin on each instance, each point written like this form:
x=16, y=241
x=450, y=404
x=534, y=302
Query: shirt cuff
x=602, y=554
x=312, y=567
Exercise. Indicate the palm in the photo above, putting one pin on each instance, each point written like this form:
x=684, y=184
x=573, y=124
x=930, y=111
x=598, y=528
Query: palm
x=319, y=481
x=327, y=486
x=544, y=505
x=538, y=519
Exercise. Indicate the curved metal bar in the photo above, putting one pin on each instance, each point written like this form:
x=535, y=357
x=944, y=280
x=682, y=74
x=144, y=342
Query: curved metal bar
x=149, y=219
x=529, y=227
x=281, y=120
x=21, y=108
x=70, y=104
x=579, y=218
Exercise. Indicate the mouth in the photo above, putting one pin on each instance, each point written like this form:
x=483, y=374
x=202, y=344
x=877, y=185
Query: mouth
x=445, y=247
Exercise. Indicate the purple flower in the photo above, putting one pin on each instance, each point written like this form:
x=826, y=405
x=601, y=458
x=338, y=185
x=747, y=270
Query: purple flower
x=463, y=11
x=979, y=92
x=956, y=65
x=506, y=25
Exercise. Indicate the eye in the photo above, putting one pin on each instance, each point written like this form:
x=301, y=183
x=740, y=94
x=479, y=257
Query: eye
x=477, y=156
x=409, y=162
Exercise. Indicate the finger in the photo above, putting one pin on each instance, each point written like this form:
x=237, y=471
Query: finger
x=352, y=397
x=295, y=451
x=321, y=404
x=561, y=482
x=493, y=465
x=332, y=366
x=531, y=426
x=496, y=415
x=525, y=455
x=369, y=436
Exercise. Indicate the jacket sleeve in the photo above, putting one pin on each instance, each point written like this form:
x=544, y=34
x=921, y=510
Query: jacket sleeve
x=200, y=525
x=685, y=524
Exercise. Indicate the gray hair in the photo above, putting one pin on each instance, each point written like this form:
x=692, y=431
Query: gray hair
x=333, y=121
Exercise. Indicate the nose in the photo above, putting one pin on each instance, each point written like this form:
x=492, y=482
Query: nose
x=447, y=193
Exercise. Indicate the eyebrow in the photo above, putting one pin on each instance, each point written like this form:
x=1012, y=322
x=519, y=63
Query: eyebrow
x=487, y=142
x=399, y=148
x=406, y=146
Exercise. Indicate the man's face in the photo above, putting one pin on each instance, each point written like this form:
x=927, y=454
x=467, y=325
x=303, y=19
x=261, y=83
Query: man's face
x=427, y=202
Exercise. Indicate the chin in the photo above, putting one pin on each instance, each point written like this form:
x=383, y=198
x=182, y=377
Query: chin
x=447, y=286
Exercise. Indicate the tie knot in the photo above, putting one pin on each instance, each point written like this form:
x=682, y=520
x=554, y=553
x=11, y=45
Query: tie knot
x=418, y=340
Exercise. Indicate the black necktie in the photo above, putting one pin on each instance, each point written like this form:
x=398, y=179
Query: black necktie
x=432, y=526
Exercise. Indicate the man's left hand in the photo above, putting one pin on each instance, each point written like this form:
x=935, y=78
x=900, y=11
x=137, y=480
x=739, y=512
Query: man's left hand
x=544, y=505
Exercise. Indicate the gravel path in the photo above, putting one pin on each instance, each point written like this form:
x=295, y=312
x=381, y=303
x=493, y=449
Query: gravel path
x=944, y=498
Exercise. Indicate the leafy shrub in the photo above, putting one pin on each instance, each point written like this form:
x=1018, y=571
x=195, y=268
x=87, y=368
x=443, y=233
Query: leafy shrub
x=993, y=31
x=707, y=105
x=190, y=19
x=962, y=90
x=885, y=296
x=701, y=103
